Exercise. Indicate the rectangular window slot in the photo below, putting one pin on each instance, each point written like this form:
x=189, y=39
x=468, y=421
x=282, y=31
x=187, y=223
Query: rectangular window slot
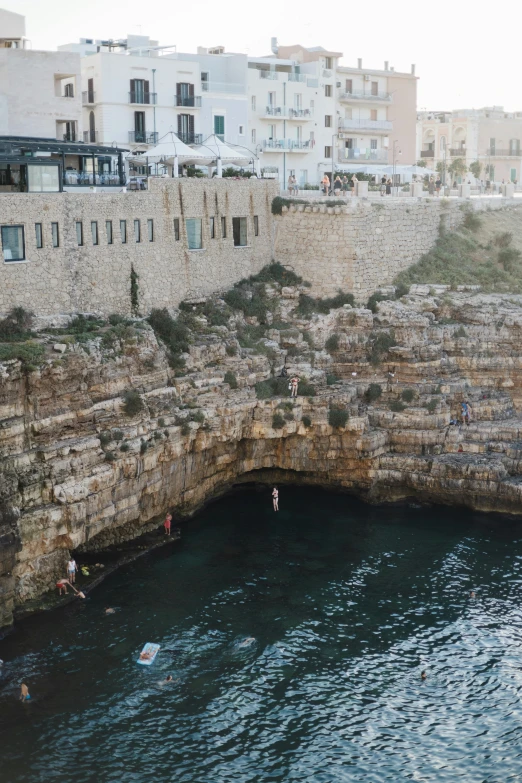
x=39, y=235
x=194, y=233
x=239, y=231
x=13, y=243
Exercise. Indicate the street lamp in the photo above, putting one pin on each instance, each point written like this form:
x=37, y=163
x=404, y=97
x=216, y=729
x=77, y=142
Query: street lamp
x=395, y=154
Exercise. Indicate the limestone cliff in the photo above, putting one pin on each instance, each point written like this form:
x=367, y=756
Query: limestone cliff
x=83, y=468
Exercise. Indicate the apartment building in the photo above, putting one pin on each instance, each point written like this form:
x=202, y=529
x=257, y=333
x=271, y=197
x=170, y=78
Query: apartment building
x=135, y=92
x=489, y=135
x=39, y=91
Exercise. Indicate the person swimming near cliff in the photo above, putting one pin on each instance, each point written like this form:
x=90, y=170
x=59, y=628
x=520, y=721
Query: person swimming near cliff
x=24, y=692
x=109, y=610
x=423, y=675
x=275, y=498
x=246, y=642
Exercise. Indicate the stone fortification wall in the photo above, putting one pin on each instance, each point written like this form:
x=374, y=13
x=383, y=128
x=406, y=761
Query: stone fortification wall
x=97, y=277
x=362, y=246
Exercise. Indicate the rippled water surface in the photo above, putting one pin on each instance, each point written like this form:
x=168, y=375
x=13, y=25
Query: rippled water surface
x=345, y=605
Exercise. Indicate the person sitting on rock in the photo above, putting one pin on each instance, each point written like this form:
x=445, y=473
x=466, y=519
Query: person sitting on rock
x=61, y=584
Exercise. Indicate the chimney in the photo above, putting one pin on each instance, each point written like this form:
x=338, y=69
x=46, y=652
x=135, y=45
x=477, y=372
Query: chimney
x=413, y=69
x=273, y=45
x=359, y=63
x=386, y=65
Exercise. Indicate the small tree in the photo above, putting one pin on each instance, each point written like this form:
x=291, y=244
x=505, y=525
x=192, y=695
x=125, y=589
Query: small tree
x=457, y=168
x=476, y=168
x=422, y=164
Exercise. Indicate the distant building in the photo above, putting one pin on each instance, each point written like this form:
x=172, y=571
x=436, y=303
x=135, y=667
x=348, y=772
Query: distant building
x=489, y=135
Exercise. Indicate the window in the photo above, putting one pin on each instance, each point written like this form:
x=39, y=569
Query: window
x=253, y=102
x=176, y=229
x=241, y=130
x=253, y=137
x=186, y=128
x=55, y=234
x=303, y=177
x=137, y=231
x=108, y=229
x=272, y=132
x=139, y=91
x=373, y=114
x=224, y=227
x=194, y=235
x=328, y=62
x=150, y=229
x=373, y=144
x=185, y=94
x=123, y=231
x=140, y=135
x=272, y=99
x=39, y=235
x=375, y=88
x=328, y=121
x=298, y=101
x=219, y=126
x=256, y=225
x=79, y=232
x=349, y=85
x=69, y=91
x=327, y=152
x=204, y=81
x=239, y=230
x=212, y=228
x=94, y=231
x=327, y=90
x=43, y=179
x=492, y=146
x=13, y=243
x=349, y=144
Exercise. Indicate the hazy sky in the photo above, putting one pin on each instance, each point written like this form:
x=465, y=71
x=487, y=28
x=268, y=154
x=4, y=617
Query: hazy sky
x=466, y=53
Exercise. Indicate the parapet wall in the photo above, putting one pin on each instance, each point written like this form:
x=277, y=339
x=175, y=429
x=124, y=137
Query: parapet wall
x=96, y=278
x=362, y=246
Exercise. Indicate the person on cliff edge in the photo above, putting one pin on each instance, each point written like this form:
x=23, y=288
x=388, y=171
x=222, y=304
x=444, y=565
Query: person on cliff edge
x=167, y=523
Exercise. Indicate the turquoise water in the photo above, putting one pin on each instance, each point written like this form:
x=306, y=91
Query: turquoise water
x=345, y=604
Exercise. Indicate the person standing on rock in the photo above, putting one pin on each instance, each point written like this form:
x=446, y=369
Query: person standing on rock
x=166, y=524
x=466, y=412
x=294, y=385
x=275, y=498
x=71, y=570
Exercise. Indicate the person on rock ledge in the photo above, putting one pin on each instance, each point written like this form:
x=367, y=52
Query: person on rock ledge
x=294, y=385
x=275, y=498
x=466, y=412
x=166, y=524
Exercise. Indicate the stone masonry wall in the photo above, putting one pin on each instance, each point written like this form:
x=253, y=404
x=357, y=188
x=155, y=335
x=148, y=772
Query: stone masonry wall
x=96, y=278
x=362, y=246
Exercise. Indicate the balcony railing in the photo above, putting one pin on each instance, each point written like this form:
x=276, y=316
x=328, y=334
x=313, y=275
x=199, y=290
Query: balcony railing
x=190, y=138
x=143, y=97
x=361, y=95
x=86, y=178
x=286, y=112
x=493, y=152
x=297, y=77
x=287, y=145
x=228, y=87
x=71, y=136
x=427, y=153
x=142, y=137
x=300, y=114
x=362, y=153
x=88, y=97
x=384, y=125
x=268, y=75
x=457, y=152
x=90, y=137
x=189, y=101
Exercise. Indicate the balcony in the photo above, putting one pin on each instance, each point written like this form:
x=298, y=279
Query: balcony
x=188, y=101
x=300, y=114
x=427, y=153
x=283, y=112
x=235, y=88
x=190, y=138
x=142, y=137
x=362, y=154
x=88, y=97
x=297, y=77
x=371, y=125
x=286, y=145
x=493, y=152
x=268, y=75
x=90, y=137
x=360, y=95
x=457, y=152
x=143, y=98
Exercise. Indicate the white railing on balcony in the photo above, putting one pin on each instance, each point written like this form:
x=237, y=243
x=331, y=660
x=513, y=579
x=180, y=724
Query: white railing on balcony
x=287, y=145
x=361, y=154
x=345, y=124
x=297, y=77
x=280, y=112
x=358, y=95
x=228, y=87
x=268, y=75
x=300, y=114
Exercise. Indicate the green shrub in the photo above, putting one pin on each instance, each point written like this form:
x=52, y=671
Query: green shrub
x=401, y=289
x=472, y=221
x=174, y=334
x=308, y=305
x=231, y=350
x=30, y=353
x=277, y=421
x=337, y=416
x=143, y=446
x=332, y=343
x=286, y=406
x=276, y=273
x=408, y=395
x=374, y=300
x=124, y=446
x=508, y=256
x=264, y=390
x=373, y=392
x=197, y=416
x=331, y=379
x=161, y=422
x=110, y=456
x=503, y=239
x=307, y=421
x=17, y=325
x=116, y=319
x=460, y=332
x=381, y=343
x=166, y=433
x=105, y=438
x=117, y=435
x=279, y=202
x=132, y=403
x=292, y=351
x=306, y=389
x=397, y=406
x=231, y=379
x=289, y=416
x=157, y=435
x=431, y=406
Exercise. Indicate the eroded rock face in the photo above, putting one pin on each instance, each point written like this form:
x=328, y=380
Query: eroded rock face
x=77, y=472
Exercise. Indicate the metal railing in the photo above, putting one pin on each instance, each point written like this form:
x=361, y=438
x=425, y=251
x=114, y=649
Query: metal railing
x=427, y=153
x=142, y=137
x=228, y=87
x=297, y=77
x=362, y=153
x=90, y=137
x=300, y=114
x=457, y=152
x=88, y=97
x=190, y=138
x=358, y=95
x=86, y=178
x=493, y=152
x=190, y=101
x=286, y=145
x=145, y=98
x=268, y=75
x=345, y=124
x=285, y=111
x=69, y=136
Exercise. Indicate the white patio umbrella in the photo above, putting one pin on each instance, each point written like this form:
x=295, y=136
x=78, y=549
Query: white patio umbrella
x=223, y=153
x=171, y=149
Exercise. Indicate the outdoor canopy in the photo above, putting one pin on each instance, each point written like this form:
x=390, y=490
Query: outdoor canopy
x=220, y=151
x=170, y=147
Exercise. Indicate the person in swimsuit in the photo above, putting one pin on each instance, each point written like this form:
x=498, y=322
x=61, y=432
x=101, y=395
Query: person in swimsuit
x=61, y=584
x=423, y=675
x=109, y=610
x=145, y=656
x=466, y=412
x=166, y=524
x=294, y=385
x=275, y=498
x=71, y=570
x=24, y=692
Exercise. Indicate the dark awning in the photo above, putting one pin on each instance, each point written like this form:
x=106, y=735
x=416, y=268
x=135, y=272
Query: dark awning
x=31, y=144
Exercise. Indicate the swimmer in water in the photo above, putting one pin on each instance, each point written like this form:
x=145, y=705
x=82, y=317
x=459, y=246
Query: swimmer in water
x=145, y=656
x=169, y=678
x=472, y=594
x=109, y=610
x=24, y=692
x=247, y=641
x=423, y=675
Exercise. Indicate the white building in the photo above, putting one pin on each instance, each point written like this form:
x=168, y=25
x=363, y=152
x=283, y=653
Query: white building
x=39, y=91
